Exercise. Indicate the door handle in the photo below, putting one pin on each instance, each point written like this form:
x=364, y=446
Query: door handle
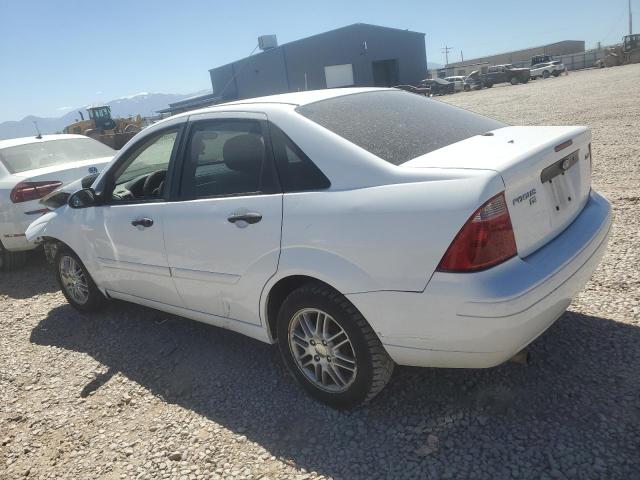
x=251, y=217
x=142, y=222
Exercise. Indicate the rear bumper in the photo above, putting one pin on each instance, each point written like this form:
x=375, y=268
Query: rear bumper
x=481, y=319
x=13, y=228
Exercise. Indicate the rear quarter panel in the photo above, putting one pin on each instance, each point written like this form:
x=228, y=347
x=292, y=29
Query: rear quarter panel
x=388, y=237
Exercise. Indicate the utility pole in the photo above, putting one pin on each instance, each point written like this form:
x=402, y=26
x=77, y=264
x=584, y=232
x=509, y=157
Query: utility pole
x=630, y=21
x=446, y=51
x=461, y=57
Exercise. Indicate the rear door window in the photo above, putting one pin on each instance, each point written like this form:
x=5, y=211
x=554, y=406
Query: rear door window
x=296, y=171
x=394, y=125
x=226, y=157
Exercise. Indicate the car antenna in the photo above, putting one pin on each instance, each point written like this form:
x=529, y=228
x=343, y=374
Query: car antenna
x=39, y=136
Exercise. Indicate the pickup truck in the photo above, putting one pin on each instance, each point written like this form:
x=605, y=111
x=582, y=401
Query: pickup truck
x=505, y=73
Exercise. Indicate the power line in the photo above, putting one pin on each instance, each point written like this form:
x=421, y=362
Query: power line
x=446, y=51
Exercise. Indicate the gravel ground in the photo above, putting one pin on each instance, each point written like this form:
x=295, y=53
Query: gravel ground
x=134, y=393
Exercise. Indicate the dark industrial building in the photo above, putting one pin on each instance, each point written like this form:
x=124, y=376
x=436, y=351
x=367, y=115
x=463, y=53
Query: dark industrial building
x=356, y=55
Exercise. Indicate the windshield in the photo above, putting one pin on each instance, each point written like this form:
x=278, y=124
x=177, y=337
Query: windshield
x=22, y=158
x=396, y=126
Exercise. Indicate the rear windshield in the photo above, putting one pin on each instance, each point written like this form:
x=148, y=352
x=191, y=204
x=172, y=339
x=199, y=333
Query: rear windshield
x=52, y=153
x=396, y=126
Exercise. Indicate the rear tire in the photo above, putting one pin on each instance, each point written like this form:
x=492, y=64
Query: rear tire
x=11, y=260
x=75, y=282
x=329, y=347
x=545, y=74
x=514, y=81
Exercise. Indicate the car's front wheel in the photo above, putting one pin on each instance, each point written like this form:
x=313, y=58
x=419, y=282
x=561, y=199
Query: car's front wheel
x=77, y=285
x=330, y=349
x=514, y=81
x=545, y=74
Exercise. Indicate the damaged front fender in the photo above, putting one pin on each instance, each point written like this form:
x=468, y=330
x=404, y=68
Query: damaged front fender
x=38, y=228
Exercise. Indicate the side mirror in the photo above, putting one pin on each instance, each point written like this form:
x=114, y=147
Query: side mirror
x=82, y=198
x=88, y=180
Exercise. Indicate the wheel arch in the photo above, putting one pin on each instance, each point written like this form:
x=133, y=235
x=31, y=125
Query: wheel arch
x=51, y=246
x=279, y=291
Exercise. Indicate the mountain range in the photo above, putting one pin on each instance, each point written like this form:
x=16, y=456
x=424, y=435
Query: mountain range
x=145, y=104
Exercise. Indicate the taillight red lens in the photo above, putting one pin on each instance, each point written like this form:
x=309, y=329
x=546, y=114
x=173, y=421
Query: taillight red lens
x=484, y=241
x=26, y=191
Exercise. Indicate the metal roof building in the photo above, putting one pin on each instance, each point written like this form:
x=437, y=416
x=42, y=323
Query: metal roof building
x=355, y=55
x=191, y=103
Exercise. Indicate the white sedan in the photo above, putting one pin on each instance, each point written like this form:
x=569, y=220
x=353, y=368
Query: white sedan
x=31, y=168
x=459, y=83
x=545, y=70
x=355, y=228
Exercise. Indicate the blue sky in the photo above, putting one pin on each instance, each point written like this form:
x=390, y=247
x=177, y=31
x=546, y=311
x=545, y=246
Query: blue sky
x=56, y=55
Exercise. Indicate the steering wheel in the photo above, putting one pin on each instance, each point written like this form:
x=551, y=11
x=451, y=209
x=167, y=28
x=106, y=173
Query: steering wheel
x=151, y=187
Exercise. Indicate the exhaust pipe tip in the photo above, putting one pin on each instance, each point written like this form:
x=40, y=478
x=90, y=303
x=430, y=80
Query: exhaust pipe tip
x=523, y=357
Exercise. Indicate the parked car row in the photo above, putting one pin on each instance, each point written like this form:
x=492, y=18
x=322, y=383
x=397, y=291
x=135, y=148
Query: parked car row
x=496, y=74
x=356, y=229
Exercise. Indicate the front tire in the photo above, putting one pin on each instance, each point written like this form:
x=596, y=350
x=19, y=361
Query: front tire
x=514, y=81
x=545, y=74
x=330, y=349
x=75, y=282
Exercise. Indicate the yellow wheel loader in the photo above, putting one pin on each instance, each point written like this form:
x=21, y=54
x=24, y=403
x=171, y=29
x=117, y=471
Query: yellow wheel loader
x=101, y=126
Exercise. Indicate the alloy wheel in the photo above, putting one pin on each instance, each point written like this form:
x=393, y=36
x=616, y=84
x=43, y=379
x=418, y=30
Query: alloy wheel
x=74, y=280
x=322, y=350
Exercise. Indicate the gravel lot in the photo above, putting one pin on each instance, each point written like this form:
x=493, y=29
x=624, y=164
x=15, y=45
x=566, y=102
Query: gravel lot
x=134, y=393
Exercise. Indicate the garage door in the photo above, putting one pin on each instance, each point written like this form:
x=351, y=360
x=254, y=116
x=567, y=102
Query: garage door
x=339, y=75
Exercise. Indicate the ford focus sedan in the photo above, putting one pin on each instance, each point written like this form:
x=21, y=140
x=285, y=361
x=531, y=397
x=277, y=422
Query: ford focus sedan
x=356, y=228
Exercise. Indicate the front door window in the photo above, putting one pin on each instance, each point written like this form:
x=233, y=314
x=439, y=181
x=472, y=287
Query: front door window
x=142, y=177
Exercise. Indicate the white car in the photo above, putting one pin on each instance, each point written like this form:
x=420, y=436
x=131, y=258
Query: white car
x=459, y=83
x=32, y=167
x=545, y=70
x=357, y=228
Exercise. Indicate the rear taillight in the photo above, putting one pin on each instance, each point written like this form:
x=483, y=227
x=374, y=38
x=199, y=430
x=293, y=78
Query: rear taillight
x=484, y=241
x=25, y=191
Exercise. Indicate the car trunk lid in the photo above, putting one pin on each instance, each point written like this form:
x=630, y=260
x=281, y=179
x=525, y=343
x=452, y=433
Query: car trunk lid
x=65, y=173
x=546, y=172
x=44, y=177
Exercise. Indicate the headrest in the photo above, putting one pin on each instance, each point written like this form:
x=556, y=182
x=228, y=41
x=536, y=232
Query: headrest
x=197, y=145
x=243, y=153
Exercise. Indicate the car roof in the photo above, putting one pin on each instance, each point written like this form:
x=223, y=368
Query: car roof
x=14, y=142
x=293, y=99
